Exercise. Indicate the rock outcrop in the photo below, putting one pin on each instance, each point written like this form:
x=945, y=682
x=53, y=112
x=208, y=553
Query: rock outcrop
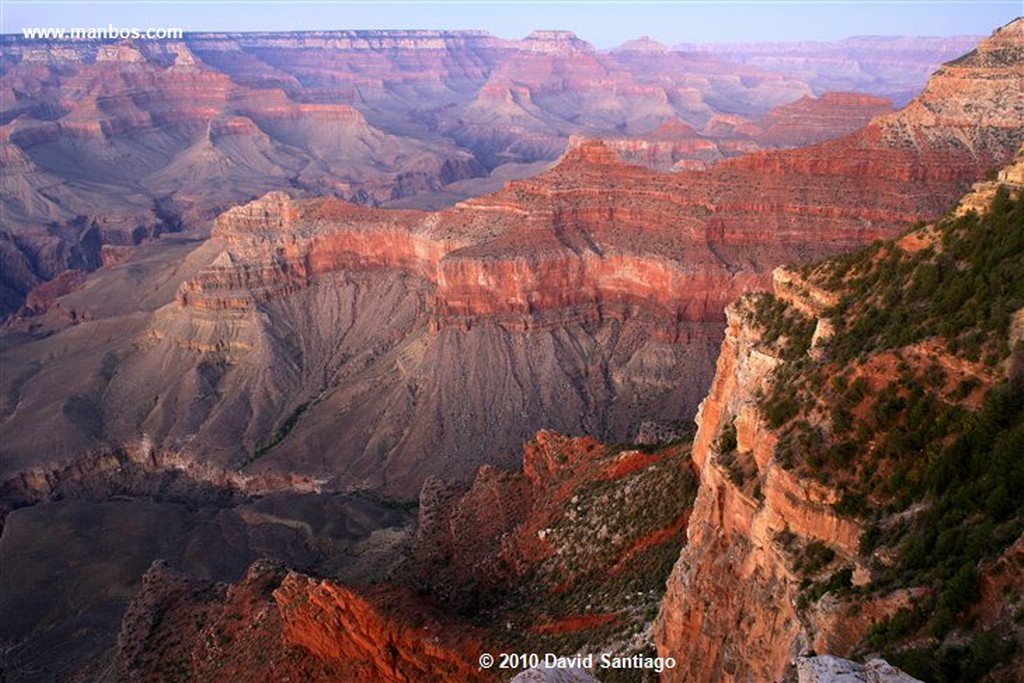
x=982, y=193
x=734, y=608
x=542, y=675
x=355, y=635
x=794, y=546
x=829, y=669
x=276, y=624
x=754, y=525
x=526, y=253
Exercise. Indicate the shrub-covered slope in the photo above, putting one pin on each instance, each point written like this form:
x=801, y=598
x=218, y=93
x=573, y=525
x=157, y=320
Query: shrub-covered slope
x=911, y=406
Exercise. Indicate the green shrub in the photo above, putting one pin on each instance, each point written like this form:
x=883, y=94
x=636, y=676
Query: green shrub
x=727, y=438
x=815, y=556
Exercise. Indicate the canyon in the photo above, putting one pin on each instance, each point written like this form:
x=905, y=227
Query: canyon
x=103, y=146
x=775, y=565
x=299, y=380
x=437, y=341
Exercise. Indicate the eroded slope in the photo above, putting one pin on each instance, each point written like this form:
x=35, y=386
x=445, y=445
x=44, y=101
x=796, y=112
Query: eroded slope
x=857, y=450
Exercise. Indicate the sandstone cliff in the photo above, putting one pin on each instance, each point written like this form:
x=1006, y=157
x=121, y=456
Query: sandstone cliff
x=839, y=449
x=730, y=611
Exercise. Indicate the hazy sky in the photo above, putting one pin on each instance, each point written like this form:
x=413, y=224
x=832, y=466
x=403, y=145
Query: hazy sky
x=605, y=24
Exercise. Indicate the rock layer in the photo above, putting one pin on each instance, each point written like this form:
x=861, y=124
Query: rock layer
x=572, y=300
x=127, y=139
x=737, y=569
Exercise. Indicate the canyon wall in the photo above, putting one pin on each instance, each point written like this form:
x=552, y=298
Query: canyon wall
x=805, y=531
x=730, y=609
x=109, y=145
x=571, y=300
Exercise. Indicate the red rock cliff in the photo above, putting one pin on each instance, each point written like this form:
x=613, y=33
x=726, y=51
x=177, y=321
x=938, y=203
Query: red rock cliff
x=729, y=611
x=596, y=232
x=279, y=625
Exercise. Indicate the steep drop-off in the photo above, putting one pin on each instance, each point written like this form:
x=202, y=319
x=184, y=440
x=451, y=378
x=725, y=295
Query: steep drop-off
x=856, y=452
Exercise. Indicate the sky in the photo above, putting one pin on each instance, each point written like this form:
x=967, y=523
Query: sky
x=604, y=24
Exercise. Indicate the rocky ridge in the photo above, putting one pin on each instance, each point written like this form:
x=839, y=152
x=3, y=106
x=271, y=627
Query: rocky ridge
x=811, y=494
x=113, y=144
x=278, y=624
x=535, y=558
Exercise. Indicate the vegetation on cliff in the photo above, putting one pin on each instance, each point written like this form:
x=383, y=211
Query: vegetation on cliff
x=569, y=555
x=913, y=410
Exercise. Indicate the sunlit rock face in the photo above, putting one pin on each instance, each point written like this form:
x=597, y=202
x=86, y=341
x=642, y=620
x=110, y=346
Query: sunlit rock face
x=733, y=610
x=113, y=144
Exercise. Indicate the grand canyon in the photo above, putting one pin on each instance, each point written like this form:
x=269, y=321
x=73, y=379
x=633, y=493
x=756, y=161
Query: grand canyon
x=364, y=355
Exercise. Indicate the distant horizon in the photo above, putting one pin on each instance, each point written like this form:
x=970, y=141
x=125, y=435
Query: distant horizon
x=487, y=33
x=605, y=25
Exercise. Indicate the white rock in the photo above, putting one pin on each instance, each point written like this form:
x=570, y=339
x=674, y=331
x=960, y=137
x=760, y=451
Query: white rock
x=542, y=675
x=830, y=669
